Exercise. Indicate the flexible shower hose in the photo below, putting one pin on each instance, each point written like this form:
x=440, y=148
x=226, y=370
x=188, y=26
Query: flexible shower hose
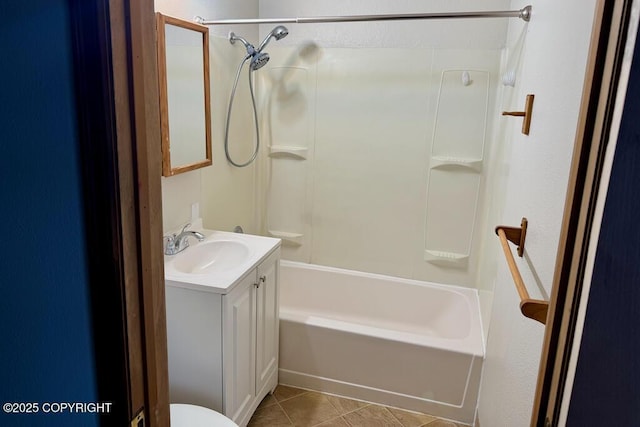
x=255, y=118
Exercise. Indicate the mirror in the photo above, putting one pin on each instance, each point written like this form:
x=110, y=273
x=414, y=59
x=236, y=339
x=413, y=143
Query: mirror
x=185, y=109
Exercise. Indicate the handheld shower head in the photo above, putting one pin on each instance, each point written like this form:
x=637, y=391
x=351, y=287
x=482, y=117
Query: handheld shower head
x=278, y=33
x=258, y=60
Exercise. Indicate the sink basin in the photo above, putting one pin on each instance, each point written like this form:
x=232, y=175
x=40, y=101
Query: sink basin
x=217, y=263
x=210, y=257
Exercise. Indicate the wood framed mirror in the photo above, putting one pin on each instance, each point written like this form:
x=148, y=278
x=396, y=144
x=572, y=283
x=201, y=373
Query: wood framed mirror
x=185, y=107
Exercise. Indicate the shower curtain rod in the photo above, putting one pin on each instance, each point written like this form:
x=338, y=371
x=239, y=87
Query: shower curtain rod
x=524, y=14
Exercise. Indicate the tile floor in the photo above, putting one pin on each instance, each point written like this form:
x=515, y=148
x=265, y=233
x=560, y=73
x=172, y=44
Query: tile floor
x=290, y=406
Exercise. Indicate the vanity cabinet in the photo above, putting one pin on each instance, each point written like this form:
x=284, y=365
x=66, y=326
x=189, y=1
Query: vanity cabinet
x=250, y=340
x=223, y=347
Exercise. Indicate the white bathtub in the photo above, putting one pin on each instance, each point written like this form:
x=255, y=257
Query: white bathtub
x=398, y=342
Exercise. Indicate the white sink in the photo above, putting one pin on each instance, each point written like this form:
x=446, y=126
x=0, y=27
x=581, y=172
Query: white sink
x=217, y=263
x=211, y=257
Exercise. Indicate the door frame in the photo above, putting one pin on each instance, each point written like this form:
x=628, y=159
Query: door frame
x=116, y=75
x=608, y=38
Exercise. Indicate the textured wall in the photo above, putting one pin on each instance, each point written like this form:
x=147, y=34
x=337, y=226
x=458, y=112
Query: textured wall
x=553, y=69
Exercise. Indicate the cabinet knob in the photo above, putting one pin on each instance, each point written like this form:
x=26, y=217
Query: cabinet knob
x=263, y=279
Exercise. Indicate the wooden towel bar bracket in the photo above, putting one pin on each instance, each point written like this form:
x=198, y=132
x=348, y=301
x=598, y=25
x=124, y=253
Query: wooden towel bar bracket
x=516, y=235
x=531, y=308
x=526, y=114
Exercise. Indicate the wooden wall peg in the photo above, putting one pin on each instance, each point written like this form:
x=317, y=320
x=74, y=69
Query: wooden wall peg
x=526, y=114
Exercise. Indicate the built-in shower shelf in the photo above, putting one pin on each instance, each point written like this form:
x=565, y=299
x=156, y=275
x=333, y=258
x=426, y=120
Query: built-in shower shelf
x=288, y=238
x=299, y=153
x=442, y=257
x=443, y=162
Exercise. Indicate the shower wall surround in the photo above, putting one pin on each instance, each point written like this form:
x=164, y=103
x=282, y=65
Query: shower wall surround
x=377, y=136
x=374, y=157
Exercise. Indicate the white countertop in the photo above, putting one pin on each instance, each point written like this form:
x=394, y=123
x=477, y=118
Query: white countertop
x=224, y=280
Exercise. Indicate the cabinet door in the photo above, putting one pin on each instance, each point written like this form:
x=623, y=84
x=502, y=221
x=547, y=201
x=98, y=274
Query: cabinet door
x=267, y=323
x=239, y=348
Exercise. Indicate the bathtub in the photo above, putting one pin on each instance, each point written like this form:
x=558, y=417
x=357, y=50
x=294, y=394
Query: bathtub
x=398, y=342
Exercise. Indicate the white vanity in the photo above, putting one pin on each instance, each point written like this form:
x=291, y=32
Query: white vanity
x=222, y=322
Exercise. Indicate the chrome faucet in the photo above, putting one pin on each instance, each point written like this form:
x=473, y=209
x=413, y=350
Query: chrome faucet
x=178, y=243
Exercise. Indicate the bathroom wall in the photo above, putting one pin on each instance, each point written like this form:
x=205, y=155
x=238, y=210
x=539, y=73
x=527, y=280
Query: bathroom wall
x=223, y=195
x=371, y=121
x=553, y=66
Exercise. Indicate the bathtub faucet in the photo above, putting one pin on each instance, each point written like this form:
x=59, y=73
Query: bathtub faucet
x=180, y=242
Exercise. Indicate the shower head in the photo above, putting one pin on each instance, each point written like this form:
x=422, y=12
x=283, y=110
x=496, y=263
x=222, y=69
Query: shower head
x=259, y=60
x=278, y=32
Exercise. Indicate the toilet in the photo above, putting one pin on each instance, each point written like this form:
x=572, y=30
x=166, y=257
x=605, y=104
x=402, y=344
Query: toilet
x=183, y=415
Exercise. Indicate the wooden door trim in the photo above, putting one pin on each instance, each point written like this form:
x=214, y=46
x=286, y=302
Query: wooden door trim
x=145, y=106
x=594, y=122
x=130, y=235
x=119, y=131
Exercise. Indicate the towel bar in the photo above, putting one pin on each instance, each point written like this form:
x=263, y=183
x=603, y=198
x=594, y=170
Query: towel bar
x=531, y=308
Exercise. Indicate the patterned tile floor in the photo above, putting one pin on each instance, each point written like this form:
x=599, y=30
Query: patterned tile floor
x=290, y=406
